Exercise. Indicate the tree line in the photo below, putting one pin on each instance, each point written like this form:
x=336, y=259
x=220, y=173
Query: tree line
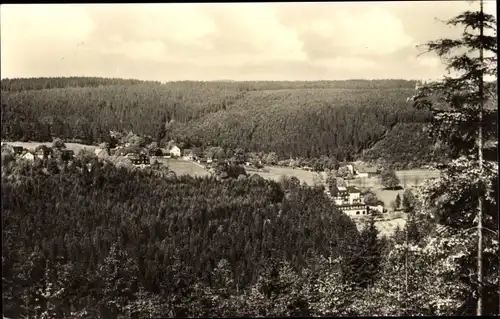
x=41, y=83
x=340, y=119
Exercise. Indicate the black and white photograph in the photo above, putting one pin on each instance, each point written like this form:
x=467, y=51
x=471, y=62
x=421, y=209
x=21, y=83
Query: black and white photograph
x=249, y=159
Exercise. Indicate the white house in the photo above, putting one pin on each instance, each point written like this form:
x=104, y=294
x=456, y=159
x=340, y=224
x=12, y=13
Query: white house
x=353, y=210
x=349, y=195
x=175, y=151
x=350, y=168
x=354, y=195
x=362, y=171
x=28, y=156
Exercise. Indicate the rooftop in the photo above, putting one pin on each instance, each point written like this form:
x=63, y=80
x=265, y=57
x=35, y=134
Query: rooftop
x=365, y=169
x=359, y=205
x=352, y=190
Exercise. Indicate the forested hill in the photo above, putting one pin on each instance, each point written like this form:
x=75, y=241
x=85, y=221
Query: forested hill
x=108, y=248
x=25, y=84
x=340, y=119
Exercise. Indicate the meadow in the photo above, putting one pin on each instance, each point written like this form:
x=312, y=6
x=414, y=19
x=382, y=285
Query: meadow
x=386, y=226
x=76, y=147
x=183, y=167
x=276, y=172
x=408, y=178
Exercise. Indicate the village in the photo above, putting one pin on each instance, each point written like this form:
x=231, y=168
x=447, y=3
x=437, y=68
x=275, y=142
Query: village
x=351, y=199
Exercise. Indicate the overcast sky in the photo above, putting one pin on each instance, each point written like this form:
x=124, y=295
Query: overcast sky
x=215, y=41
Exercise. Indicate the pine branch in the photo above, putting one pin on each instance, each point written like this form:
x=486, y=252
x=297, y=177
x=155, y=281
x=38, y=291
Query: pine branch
x=472, y=19
x=445, y=47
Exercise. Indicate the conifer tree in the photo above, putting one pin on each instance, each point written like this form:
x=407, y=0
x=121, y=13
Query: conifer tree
x=398, y=201
x=363, y=267
x=465, y=198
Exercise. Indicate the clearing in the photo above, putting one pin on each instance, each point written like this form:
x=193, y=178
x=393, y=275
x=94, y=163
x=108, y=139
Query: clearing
x=408, y=178
x=182, y=167
x=386, y=225
x=276, y=172
x=76, y=147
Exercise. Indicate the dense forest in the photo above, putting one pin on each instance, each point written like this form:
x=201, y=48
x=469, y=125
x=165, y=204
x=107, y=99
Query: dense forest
x=121, y=242
x=418, y=146
x=175, y=229
x=339, y=119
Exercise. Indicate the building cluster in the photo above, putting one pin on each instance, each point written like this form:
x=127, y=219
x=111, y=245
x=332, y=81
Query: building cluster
x=349, y=200
x=42, y=152
x=144, y=157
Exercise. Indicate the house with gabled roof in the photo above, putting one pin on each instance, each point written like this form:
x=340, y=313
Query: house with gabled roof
x=349, y=195
x=175, y=151
x=28, y=156
x=363, y=171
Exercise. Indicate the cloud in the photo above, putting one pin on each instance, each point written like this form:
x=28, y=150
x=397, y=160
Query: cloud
x=29, y=32
x=346, y=31
x=26, y=22
x=251, y=33
x=230, y=40
x=346, y=63
x=429, y=61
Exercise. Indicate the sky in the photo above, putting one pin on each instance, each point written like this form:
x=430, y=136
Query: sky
x=227, y=41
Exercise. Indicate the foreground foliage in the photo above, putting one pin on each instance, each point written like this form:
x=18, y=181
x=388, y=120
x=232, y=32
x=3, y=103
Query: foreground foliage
x=163, y=235
x=465, y=198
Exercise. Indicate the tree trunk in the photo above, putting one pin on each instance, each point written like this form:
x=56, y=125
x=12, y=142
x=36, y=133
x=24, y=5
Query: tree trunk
x=479, y=310
x=406, y=273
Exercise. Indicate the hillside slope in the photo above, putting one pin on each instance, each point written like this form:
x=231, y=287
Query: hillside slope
x=170, y=235
x=300, y=119
x=405, y=143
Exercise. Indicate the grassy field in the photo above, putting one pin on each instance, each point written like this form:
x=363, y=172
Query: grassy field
x=276, y=172
x=387, y=226
x=182, y=167
x=70, y=146
x=408, y=178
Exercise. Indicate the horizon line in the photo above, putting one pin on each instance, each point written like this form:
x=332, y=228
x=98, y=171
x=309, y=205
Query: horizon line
x=194, y=80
